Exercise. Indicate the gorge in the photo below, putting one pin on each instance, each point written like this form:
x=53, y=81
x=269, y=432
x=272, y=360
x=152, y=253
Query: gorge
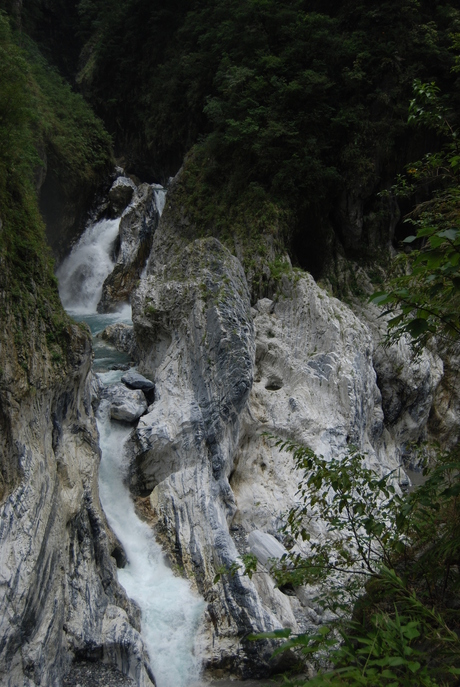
x=238, y=292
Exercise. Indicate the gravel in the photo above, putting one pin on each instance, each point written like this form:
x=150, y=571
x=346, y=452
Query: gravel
x=96, y=674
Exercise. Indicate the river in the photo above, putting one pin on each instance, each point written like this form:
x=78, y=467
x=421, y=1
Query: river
x=171, y=612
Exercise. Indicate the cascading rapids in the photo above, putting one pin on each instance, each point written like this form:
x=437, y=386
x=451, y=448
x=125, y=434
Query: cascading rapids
x=82, y=274
x=171, y=613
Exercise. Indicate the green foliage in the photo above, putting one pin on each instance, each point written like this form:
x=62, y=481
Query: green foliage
x=425, y=299
x=246, y=563
x=360, y=510
x=306, y=103
x=401, y=550
x=385, y=653
x=77, y=144
x=248, y=221
x=38, y=112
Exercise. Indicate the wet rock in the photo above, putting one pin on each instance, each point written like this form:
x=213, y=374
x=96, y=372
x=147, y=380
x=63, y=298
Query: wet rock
x=122, y=366
x=126, y=405
x=134, y=380
x=121, y=336
x=59, y=582
x=120, y=195
x=96, y=387
x=137, y=227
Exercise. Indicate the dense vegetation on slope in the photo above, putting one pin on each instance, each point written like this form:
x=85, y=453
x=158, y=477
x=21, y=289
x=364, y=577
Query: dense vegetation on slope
x=289, y=113
x=400, y=552
x=297, y=101
x=41, y=120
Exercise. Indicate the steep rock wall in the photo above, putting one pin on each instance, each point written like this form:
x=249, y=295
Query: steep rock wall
x=59, y=596
x=302, y=366
x=195, y=333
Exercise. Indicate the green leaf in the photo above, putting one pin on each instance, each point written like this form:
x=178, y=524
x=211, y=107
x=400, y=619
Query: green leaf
x=380, y=298
x=417, y=327
x=396, y=661
x=450, y=234
x=413, y=666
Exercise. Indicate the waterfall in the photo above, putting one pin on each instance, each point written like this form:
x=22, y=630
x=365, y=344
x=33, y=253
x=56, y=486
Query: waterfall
x=160, y=198
x=82, y=273
x=171, y=612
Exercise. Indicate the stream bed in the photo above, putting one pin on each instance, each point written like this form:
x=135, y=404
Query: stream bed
x=171, y=611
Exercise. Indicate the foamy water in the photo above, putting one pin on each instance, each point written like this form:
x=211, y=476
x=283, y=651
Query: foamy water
x=83, y=272
x=171, y=612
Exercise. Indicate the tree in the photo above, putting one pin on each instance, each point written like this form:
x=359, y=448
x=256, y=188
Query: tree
x=404, y=628
x=425, y=299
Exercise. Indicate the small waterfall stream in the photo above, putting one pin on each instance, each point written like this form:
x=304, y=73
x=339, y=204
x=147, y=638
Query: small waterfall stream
x=171, y=612
x=82, y=273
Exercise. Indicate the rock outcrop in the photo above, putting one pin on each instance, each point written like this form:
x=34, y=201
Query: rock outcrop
x=300, y=365
x=194, y=330
x=137, y=227
x=219, y=373
x=59, y=596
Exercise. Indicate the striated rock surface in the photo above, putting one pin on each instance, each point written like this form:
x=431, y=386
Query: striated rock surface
x=194, y=330
x=221, y=374
x=300, y=365
x=137, y=226
x=59, y=595
x=121, y=336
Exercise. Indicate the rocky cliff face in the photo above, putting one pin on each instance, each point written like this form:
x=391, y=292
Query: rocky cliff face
x=228, y=370
x=59, y=594
x=139, y=219
x=300, y=365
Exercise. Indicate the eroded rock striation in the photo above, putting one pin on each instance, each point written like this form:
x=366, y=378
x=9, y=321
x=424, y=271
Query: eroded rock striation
x=299, y=365
x=59, y=596
x=138, y=222
x=219, y=372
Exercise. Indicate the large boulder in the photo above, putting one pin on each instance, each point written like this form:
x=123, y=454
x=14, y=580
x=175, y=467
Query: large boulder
x=126, y=405
x=133, y=380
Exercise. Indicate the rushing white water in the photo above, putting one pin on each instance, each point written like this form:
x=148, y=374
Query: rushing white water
x=82, y=273
x=160, y=199
x=171, y=613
